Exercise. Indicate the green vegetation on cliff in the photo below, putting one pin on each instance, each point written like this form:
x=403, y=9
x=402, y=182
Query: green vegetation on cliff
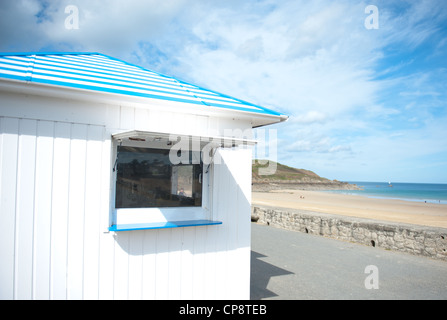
x=285, y=177
x=284, y=173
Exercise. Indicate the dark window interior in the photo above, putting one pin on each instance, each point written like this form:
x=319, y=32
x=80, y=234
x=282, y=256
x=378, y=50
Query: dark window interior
x=146, y=178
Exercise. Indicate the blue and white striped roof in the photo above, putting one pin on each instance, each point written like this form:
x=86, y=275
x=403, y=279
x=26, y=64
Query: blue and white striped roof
x=99, y=72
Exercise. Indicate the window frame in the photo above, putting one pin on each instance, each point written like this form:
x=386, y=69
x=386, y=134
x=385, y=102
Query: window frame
x=167, y=185
x=128, y=219
x=157, y=215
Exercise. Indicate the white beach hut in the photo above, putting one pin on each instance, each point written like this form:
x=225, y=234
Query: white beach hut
x=117, y=182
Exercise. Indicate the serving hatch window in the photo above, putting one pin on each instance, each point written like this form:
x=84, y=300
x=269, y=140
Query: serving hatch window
x=146, y=178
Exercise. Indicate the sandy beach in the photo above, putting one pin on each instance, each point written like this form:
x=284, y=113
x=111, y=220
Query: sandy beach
x=418, y=213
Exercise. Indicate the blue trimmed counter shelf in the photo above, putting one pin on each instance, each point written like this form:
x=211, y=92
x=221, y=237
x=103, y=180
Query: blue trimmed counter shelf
x=162, y=225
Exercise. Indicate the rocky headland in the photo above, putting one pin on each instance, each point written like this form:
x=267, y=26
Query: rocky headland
x=289, y=178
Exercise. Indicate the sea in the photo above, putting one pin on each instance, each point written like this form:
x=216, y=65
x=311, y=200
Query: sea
x=420, y=192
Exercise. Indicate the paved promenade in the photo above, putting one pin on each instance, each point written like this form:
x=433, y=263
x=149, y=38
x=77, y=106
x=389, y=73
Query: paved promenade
x=290, y=265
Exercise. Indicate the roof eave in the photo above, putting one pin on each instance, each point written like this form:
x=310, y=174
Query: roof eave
x=48, y=90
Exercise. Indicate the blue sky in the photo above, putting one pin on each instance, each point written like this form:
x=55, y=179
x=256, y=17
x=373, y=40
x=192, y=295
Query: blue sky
x=364, y=104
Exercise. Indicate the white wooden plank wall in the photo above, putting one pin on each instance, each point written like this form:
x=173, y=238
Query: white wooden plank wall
x=232, y=206
x=210, y=262
x=54, y=207
x=8, y=172
x=45, y=186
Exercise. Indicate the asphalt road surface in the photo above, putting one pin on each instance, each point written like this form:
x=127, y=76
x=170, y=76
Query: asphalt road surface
x=290, y=265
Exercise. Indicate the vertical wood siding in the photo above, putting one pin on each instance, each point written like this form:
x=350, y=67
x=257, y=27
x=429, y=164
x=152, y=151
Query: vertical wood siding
x=50, y=173
x=55, y=204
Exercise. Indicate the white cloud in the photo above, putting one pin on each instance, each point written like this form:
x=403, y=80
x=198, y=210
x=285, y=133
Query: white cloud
x=345, y=88
x=310, y=117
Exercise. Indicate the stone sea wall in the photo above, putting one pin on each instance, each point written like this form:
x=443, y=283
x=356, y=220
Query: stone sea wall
x=418, y=240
